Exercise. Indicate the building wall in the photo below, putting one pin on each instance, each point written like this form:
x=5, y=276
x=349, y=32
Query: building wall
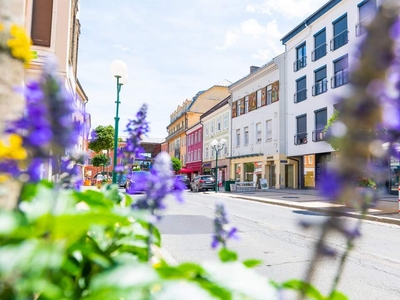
x=194, y=152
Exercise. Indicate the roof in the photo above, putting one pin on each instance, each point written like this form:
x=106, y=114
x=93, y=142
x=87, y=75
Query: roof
x=316, y=15
x=215, y=107
x=251, y=74
x=224, y=82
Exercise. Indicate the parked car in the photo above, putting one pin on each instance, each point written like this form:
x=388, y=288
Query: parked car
x=185, y=179
x=121, y=180
x=202, y=182
x=136, y=182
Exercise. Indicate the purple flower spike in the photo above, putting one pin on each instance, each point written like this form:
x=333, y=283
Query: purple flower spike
x=222, y=229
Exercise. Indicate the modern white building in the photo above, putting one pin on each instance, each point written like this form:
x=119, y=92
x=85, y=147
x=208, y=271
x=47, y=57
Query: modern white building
x=319, y=53
x=216, y=127
x=258, y=130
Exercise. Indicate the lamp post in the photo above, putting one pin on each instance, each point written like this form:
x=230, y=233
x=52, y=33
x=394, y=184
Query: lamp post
x=120, y=71
x=217, y=147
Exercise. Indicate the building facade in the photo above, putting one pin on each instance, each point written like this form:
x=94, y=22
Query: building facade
x=188, y=114
x=216, y=126
x=258, y=130
x=54, y=28
x=194, y=152
x=319, y=53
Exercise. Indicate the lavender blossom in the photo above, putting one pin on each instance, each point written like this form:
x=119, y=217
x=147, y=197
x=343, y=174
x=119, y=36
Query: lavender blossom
x=223, y=231
x=157, y=185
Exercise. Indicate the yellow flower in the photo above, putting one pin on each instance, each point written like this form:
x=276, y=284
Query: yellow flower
x=19, y=44
x=1, y=27
x=4, y=178
x=14, y=149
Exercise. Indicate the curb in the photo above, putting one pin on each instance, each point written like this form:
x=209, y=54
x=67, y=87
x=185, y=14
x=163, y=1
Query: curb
x=368, y=217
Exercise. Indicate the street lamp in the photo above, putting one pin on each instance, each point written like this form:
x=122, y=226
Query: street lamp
x=217, y=147
x=120, y=71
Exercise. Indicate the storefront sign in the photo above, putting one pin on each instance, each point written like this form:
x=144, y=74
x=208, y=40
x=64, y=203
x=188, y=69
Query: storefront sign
x=41, y=56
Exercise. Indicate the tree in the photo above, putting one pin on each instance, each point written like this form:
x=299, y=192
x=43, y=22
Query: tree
x=176, y=164
x=104, y=139
x=100, y=160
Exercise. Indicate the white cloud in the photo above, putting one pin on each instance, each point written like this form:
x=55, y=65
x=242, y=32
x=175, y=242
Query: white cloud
x=121, y=47
x=230, y=39
x=286, y=8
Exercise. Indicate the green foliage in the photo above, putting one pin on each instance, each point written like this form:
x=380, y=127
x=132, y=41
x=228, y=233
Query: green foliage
x=227, y=255
x=100, y=160
x=176, y=164
x=334, y=142
x=104, y=139
x=365, y=182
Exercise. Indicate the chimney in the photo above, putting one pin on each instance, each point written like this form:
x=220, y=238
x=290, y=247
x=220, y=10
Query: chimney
x=253, y=69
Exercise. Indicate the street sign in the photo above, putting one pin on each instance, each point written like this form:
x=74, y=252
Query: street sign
x=284, y=161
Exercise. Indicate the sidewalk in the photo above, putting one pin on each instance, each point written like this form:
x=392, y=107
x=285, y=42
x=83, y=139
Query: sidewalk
x=386, y=210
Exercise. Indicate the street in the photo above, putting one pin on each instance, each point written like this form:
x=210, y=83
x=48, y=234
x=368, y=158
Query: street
x=272, y=233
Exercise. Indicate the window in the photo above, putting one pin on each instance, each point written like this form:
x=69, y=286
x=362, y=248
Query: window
x=320, y=123
x=198, y=154
x=219, y=124
x=321, y=84
x=319, y=45
x=340, y=71
x=212, y=127
x=195, y=155
x=269, y=94
x=207, y=125
x=42, y=12
x=340, y=33
x=237, y=137
x=258, y=132
x=195, y=137
x=246, y=135
x=238, y=112
x=206, y=152
x=258, y=98
x=301, y=58
x=246, y=104
x=366, y=11
x=268, y=130
x=200, y=137
x=301, y=90
x=225, y=150
x=225, y=121
x=301, y=136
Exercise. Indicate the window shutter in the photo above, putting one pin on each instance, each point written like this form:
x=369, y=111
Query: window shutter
x=42, y=12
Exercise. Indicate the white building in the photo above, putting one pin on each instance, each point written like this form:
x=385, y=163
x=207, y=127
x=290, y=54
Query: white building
x=258, y=147
x=216, y=126
x=318, y=53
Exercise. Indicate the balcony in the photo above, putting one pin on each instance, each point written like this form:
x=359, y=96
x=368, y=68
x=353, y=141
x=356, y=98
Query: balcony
x=319, y=52
x=300, y=138
x=320, y=87
x=318, y=135
x=340, y=78
x=300, y=95
x=300, y=63
x=340, y=40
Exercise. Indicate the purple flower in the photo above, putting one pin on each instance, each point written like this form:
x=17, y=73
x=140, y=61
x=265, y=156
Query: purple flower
x=156, y=185
x=222, y=229
x=331, y=185
x=35, y=170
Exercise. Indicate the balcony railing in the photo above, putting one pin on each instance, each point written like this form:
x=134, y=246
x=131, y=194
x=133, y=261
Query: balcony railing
x=340, y=40
x=340, y=78
x=319, y=52
x=320, y=87
x=300, y=95
x=360, y=26
x=300, y=138
x=318, y=135
x=300, y=63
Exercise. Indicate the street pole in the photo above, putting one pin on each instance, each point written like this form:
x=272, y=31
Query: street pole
x=216, y=170
x=114, y=175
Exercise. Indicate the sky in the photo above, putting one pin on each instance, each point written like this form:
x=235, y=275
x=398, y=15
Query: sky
x=174, y=49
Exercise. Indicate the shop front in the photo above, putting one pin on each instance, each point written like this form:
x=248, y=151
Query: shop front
x=223, y=171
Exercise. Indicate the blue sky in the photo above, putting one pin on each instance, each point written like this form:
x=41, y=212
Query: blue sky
x=175, y=48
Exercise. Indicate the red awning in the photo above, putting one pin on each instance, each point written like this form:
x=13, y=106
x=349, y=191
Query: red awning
x=185, y=170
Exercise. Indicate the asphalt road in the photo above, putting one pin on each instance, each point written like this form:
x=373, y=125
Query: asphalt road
x=272, y=233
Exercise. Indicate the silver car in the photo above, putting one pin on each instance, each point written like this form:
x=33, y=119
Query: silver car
x=202, y=183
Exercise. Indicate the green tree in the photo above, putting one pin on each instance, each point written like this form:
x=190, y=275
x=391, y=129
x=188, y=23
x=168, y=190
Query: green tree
x=104, y=139
x=100, y=160
x=176, y=164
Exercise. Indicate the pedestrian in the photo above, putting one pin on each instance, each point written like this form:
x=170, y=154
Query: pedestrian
x=99, y=180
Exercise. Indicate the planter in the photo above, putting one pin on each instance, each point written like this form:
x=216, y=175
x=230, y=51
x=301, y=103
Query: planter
x=361, y=198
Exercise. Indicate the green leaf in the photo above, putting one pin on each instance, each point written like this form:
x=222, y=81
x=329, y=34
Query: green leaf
x=303, y=287
x=251, y=263
x=335, y=295
x=227, y=255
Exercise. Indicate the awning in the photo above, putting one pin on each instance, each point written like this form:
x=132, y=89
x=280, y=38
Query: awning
x=185, y=170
